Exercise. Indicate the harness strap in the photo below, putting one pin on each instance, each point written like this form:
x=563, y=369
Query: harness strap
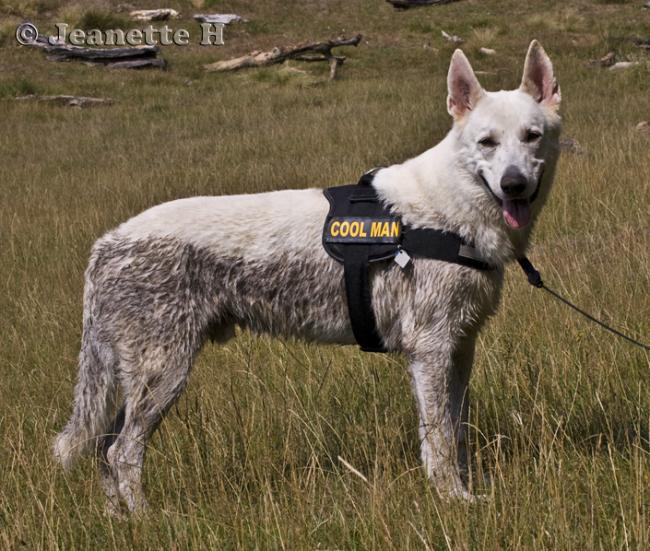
x=441, y=245
x=357, y=289
x=356, y=265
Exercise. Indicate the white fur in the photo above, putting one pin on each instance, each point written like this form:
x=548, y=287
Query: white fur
x=251, y=226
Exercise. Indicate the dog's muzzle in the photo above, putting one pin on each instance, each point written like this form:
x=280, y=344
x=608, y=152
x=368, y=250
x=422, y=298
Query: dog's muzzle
x=516, y=210
x=498, y=199
x=487, y=186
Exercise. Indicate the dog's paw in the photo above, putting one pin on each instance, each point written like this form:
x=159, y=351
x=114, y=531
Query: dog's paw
x=461, y=494
x=113, y=509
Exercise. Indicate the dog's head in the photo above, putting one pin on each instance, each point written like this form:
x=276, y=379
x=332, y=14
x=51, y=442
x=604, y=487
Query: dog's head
x=508, y=140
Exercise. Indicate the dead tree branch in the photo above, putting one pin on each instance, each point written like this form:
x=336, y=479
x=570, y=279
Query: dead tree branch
x=67, y=101
x=154, y=15
x=308, y=51
x=218, y=18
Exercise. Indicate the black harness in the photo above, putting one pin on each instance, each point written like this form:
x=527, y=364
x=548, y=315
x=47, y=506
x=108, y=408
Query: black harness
x=360, y=230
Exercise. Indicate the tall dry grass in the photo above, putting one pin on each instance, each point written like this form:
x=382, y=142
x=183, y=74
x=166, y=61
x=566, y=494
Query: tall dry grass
x=250, y=457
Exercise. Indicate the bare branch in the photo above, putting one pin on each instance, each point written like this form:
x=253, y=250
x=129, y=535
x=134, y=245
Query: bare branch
x=308, y=51
x=67, y=101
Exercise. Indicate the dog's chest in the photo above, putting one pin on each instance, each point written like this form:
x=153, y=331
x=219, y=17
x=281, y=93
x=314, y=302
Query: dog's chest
x=430, y=294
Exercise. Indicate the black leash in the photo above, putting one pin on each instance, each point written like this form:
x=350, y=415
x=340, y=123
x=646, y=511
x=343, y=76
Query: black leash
x=535, y=279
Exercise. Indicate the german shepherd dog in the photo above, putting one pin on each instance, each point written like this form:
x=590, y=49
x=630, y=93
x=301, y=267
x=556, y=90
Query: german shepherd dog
x=158, y=286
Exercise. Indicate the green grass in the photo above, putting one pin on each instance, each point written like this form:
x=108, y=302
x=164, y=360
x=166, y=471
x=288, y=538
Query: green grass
x=19, y=87
x=101, y=20
x=560, y=419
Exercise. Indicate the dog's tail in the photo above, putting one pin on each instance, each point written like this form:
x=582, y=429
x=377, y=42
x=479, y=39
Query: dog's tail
x=94, y=392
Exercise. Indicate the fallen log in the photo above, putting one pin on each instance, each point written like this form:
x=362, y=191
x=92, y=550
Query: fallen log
x=643, y=43
x=67, y=101
x=406, y=4
x=454, y=39
x=571, y=145
x=308, y=51
x=154, y=15
x=643, y=126
x=218, y=18
x=136, y=57
x=620, y=65
x=142, y=63
x=606, y=61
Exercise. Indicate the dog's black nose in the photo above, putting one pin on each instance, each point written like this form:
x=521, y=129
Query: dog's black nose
x=513, y=182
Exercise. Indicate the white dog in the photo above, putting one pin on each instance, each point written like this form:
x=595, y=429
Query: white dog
x=162, y=283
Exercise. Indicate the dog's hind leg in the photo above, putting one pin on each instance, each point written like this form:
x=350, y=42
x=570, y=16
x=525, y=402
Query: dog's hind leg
x=150, y=390
x=106, y=472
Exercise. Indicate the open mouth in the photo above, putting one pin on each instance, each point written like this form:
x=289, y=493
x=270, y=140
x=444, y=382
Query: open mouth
x=516, y=212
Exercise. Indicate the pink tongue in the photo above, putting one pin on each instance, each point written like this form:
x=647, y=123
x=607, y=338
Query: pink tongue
x=516, y=213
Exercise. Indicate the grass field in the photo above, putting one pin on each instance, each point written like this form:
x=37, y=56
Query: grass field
x=249, y=459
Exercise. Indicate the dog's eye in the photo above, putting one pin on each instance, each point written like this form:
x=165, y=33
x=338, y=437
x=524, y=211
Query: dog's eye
x=488, y=142
x=533, y=136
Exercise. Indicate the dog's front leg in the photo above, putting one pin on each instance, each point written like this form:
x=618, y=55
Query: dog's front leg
x=463, y=360
x=436, y=388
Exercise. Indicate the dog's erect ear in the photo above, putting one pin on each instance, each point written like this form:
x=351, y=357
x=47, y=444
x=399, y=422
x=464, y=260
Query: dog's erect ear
x=463, y=88
x=539, y=80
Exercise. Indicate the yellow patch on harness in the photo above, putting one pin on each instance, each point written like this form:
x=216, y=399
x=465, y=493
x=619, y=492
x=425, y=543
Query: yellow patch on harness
x=352, y=229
